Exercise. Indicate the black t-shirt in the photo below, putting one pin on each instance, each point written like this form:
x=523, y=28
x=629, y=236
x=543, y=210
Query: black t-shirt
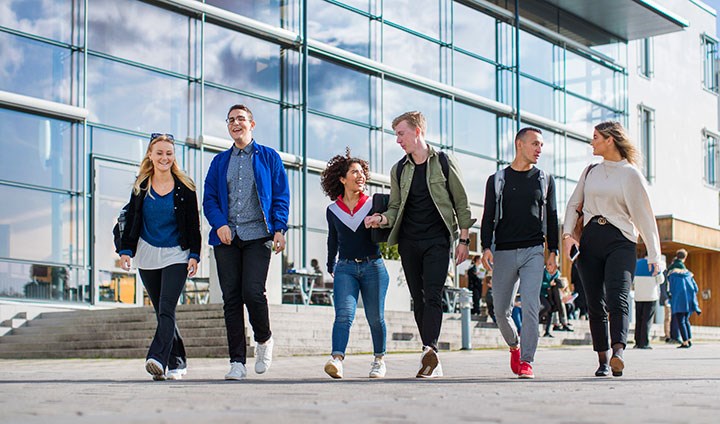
x=421, y=219
x=521, y=225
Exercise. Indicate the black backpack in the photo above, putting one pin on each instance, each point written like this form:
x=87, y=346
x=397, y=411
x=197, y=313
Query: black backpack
x=119, y=228
x=380, y=200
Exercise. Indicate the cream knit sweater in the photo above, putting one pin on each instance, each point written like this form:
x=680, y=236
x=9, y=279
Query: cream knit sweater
x=617, y=191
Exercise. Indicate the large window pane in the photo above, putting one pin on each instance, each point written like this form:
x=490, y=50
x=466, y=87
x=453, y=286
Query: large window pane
x=35, y=69
x=579, y=155
x=46, y=18
x=316, y=202
x=266, y=116
x=339, y=27
x=475, y=130
x=132, y=98
x=117, y=145
x=37, y=150
x=338, y=90
x=474, y=75
x=420, y=15
x=582, y=115
x=328, y=137
x=39, y=226
x=475, y=172
x=539, y=98
x=241, y=61
x=592, y=80
x=473, y=31
x=37, y=281
x=140, y=32
x=273, y=12
x=398, y=99
x=410, y=53
x=536, y=57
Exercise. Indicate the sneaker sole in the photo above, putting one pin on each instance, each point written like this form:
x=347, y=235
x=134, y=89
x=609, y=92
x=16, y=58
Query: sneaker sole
x=153, y=369
x=429, y=363
x=332, y=371
x=526, y=376
x=617, y=365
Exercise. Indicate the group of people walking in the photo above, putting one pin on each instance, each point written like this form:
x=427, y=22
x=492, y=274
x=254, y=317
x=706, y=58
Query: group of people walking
x=246, y=202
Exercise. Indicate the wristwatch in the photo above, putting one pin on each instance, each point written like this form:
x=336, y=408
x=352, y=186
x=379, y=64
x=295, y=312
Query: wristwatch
x=280, y=231
x=465, y=241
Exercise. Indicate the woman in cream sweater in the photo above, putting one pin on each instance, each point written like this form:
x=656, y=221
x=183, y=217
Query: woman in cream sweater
x=616, y=208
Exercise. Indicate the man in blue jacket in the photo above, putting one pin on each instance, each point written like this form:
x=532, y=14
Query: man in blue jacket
x=246, y=202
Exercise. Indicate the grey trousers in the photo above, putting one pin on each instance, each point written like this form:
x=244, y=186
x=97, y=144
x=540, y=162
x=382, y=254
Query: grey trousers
x=526, y=264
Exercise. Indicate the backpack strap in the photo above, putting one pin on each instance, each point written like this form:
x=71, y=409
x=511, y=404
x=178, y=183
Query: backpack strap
x=499, y=186
x=544, y=184
x=399, y=168
x=446, y=172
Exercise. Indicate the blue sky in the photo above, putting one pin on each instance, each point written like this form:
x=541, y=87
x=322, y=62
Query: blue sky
x=715, y=4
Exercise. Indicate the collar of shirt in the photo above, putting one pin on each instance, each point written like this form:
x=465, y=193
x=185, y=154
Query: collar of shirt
x=363, y=198
x=247, y=149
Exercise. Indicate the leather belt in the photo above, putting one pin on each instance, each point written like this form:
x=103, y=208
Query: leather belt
x=599, y=219
x=366, y=259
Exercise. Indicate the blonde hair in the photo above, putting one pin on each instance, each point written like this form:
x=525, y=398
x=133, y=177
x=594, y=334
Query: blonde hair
x=622, y=142
x=414, y=118
x=147, y=169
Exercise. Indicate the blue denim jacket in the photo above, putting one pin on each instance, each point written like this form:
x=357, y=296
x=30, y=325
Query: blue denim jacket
x=272, y=189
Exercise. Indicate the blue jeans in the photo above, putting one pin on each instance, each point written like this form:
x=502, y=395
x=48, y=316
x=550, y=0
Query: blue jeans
x=351, y=279
x=517, y=318
x=683, y=324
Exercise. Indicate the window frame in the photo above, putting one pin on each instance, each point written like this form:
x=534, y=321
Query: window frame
x=710, y=68
x=646, y=131
x=707, y=135
x=646, y=58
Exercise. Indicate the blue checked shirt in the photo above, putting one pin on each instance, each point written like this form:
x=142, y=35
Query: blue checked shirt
x=245, y=216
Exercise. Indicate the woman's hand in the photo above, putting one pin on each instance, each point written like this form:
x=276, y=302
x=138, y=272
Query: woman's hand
x=192, y=267
x=568, y=243
x=125, y=262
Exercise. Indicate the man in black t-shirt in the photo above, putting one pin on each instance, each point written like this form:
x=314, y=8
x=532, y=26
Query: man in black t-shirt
x=520, y=212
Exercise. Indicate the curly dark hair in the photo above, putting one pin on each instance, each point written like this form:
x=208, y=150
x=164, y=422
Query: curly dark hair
x=338, y=167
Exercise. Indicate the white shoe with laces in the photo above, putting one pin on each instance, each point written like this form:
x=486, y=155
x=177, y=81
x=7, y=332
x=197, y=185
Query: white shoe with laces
x=377, y=368
x=155, y=368
x=237, y=371
x=334, y=367
x=176, y=374
x=263, y=356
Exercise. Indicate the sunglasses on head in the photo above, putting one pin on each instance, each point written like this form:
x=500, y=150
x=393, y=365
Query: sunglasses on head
x=153, y=136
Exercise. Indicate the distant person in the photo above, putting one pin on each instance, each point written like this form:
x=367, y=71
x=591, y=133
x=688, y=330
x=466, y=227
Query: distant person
x=616, y=207
x=162, y=234
x=647, y=294
x=677, y=263
x=489, y=297
x=580, y=302
x=517, y=313
x=475, y=275
x=354, y=261
x=683, y=299
x=551, y=299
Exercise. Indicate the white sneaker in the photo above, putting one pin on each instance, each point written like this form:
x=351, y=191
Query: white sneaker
x=155, y=368
x=237, y=371
x=377, y=368
x=176, y=374
x=263, y=356
x=334, y=367
x=429, y=362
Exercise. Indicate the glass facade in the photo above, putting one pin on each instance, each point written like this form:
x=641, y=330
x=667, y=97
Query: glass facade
x=139, y=67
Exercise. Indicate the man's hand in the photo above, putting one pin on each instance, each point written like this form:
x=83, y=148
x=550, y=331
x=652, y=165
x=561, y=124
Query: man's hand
x=225, y=234
x=374, y=220
x=192, y=267
x=461, y=253
x=125, y=262
x=279, y=242
x=487, y=259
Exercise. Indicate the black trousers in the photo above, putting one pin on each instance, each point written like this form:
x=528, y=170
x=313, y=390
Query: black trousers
x=476, y=294
x=242, y=270
x=607, y=268
x=644, y=314
x=164, y=287
x=425, y=263
x=580, y=302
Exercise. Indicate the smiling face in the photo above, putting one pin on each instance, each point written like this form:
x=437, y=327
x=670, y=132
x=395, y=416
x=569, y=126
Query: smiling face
x=600, y=143
x=240, y=126
x=408, y=137
x=162, y=155
x=529, y=147
x=355, y=178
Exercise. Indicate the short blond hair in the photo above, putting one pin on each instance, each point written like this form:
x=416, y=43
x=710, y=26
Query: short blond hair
x=414, y=118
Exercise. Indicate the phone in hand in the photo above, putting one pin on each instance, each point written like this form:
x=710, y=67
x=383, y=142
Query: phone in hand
x=574, y=252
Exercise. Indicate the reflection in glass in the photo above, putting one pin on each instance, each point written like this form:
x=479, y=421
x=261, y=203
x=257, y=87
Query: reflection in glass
x=475, y=130
x=338, y=90
x=266, y=116
x=37, y=150
x=272, y=12
x=316, y=202
x=339, y=27
x=536, y=57
x=420, y=15
x=398, y=99
x=391, y=153
x=592, y=80
x=128, y=97
x=38, y=226
x=474, y=75
x=240, y=61
x=410, y=53
x=118, y=145
x=43, y=282
x=579, y=155
x=473, y=31
x=539, y=99
x=475, y=173
x=142, y=33
x=35, y=69
x=328, y=137
x=582, y=115
x=46, y=18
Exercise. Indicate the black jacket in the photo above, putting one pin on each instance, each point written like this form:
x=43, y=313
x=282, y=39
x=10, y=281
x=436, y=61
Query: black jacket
x=186, y=214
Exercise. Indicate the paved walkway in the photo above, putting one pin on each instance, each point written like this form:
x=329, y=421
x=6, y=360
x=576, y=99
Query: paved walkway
x=664, y=385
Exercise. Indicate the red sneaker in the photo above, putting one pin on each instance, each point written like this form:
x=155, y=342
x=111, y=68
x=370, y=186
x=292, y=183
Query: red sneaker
x=525, y=370
x=515, y=360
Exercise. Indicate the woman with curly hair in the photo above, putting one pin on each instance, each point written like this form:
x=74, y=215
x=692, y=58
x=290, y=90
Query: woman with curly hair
x=353, y=260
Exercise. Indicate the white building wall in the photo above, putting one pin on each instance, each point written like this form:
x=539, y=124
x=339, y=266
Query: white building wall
x=683, y=109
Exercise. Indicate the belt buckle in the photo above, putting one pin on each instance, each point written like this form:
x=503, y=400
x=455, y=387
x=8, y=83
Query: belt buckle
x=358, y=260
x=602, y=220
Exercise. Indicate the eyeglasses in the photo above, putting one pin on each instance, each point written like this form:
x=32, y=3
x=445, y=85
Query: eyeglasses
x=153, y=136
x=238, y=120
